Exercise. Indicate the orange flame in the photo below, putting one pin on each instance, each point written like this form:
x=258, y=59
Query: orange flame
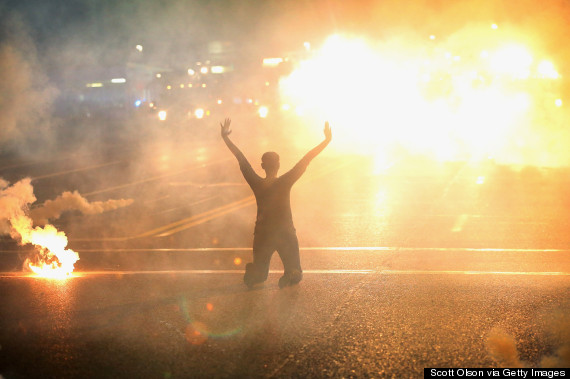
x=53, y=259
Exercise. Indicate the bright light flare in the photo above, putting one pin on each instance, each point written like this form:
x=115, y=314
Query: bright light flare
x=263, y=112
x=455, y=101
x=162, y=115
x=199, y=113
x=272, y=62
x=54, y=261
x=547, y=70
x=218, y=69
x=512, y=60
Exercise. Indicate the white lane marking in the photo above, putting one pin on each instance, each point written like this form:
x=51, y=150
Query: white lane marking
x=325, y=272
x=80, y=274
x=321, y=248
x=471, y=272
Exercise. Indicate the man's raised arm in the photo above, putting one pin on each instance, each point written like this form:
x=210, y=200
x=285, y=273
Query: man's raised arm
x=246, y=169
x=317, y=149
x=295, y=173
x=225, y=131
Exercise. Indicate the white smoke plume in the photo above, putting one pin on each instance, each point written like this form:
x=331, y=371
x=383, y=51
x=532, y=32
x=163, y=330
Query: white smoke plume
x=53, y=259
x=70, y=201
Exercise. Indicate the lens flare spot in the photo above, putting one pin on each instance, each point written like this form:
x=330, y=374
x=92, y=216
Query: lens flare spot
x=195, y=333
x=210, y=307
x=237, y=261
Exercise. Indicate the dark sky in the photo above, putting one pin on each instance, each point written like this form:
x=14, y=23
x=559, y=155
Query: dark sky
x=112, y=23
x=70, y=33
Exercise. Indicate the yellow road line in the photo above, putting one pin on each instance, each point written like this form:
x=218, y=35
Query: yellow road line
x=203, y=218
x=76, y=170
x=192, y=219
x=181, y=225
x=210, y=215
x=201, y=165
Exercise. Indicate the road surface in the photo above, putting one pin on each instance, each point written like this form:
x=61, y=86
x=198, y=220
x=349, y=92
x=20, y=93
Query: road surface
x=410, y=265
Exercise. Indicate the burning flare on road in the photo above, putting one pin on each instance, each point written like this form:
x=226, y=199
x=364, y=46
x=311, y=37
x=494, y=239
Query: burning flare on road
x=53, y=258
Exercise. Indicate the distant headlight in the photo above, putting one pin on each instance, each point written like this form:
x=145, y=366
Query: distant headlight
x=199, y=113
x=162, y=115
x=263, y=111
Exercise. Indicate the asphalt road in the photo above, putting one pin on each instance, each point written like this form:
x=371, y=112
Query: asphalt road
x=410, y=265
x=361, y=324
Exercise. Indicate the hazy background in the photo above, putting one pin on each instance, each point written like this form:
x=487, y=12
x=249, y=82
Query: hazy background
x=46, y=45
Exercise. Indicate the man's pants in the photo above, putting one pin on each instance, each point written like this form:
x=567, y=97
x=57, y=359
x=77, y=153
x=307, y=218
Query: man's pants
x=286, y=244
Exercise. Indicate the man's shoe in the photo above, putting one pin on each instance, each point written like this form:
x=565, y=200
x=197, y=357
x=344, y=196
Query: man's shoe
x=291, y=278
x=251, y=277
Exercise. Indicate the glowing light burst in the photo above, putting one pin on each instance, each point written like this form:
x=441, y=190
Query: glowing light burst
x=443, y=103
x=512, y=60
x=53, y=259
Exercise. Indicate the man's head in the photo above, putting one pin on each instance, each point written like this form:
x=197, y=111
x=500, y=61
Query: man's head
x=270, y=162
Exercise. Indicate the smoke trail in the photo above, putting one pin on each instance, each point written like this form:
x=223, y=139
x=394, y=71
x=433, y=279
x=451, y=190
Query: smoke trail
x=53, y=259
x=69, y=201
x=503, y=349
x=502, y=346
x=559, y=329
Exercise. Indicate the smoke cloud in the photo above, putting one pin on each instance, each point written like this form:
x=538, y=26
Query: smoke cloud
x=27, y=96
x=69, y=201
x=62, y=40
x=52, y=258
x=503, y=349
x=559, y=330
x=14, y=201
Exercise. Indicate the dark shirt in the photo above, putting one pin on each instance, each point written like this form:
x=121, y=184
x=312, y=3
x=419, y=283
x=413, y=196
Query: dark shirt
x=273, y=197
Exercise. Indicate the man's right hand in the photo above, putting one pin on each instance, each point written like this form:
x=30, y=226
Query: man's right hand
x=327, y=131
x=225, y=127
